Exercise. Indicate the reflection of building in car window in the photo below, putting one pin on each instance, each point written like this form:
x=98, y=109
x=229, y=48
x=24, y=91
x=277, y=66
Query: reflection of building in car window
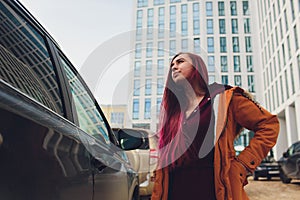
x=89, y=118
x=20, y=76
x=28, y=47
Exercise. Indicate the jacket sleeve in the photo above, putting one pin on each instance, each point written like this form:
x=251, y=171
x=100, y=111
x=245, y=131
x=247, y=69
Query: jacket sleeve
x=252, y=116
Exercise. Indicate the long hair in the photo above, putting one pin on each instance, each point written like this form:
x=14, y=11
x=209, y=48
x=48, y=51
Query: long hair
x=171, y=109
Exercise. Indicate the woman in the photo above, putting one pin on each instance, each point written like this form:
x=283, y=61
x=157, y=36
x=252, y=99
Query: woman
x=199, y=123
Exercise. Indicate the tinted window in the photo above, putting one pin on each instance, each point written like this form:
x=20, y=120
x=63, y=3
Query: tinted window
x=25, y=62
x=89, y=118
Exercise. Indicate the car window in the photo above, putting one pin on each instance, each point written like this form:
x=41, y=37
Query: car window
x=297, y=147
x=89, y=118
x=25, y=63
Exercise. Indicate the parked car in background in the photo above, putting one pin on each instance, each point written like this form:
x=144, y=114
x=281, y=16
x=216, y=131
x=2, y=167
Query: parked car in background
x=144, y=159
x=268, y=168
x=290, y=163
x=55, y=142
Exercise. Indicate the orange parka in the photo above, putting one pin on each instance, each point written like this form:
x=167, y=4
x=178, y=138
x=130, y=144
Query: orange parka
x=235, y=110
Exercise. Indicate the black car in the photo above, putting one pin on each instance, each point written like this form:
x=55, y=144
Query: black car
x=55, y=142
x=268, y=168
x=290, y=163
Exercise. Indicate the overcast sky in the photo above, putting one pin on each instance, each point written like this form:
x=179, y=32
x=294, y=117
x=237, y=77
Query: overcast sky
x=80, y=27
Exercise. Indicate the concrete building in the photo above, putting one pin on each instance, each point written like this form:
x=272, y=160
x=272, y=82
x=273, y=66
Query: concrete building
x=252, y=44
x=279, y=22
x=116, y=115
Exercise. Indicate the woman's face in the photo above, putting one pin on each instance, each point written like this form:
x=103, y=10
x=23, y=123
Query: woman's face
x=182, y=68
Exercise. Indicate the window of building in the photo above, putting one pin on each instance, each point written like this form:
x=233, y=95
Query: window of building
x=281, y=88
x=224, y=79
x=184, y=45
x=136, y=87
x=211, y=79
x=222, y=26
x=147, y=113
x=138, y=50
x=117, y=118
x=283, y=53
x=161, y=22
x=235, y=44
x=209, y=26
x=137, y=68
x=233, y=9
x=245, y=8
x=224, y=65
x=248, y=44
x=292, y=78
x=197, y=48
x=296, y=38
x=211, y=63
x=247, y=25
x=286, y=84
x=236, y=63
x=234, y=26
x=160, y=86
x=280, y=26
x=209, y=8
x=289, y=46
x=135, y=109
x=158, y=104
x=249, y=64
x=142, y=3
x=184, y=28
x=160, y=67
x=148, y=87
x=139, y=20
x=196, y=27
x=223, y=46
x=251, y=84
x=210, y=45
x=238, y=80
x=221, y=8
x=286, y=21
x=175, y=1
x=161, y=49
x=172, y=48
x=138, y=35
x=148, y=68
x=149, y=49
x=158, y=2
x=292, y=9
x=172, y=29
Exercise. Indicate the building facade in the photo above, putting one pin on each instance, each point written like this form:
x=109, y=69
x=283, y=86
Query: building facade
x=252, y=44
x=222, y=32
x=116, y=115
x=279, y=22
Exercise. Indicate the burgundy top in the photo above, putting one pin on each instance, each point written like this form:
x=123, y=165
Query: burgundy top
x=192, y=176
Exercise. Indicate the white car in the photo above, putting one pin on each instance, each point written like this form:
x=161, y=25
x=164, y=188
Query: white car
x=143, y=159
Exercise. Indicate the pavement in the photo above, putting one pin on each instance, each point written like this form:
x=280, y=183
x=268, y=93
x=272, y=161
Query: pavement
x=273, y=189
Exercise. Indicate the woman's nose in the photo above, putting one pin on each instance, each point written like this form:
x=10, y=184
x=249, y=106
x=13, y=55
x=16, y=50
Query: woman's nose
x=174, y=67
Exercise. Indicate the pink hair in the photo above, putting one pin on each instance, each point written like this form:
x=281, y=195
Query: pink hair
x=171, y=113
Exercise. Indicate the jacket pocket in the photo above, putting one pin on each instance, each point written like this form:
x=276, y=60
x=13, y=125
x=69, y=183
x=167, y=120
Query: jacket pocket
x=238, y=173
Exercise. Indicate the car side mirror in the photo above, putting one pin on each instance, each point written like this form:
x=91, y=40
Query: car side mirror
x=285, y=154
x=130, y=141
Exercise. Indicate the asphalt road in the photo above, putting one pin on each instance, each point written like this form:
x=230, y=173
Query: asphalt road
x=273, y=189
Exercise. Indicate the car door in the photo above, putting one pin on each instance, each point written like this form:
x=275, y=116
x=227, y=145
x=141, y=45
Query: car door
x=112, y=178
x=41, y=154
